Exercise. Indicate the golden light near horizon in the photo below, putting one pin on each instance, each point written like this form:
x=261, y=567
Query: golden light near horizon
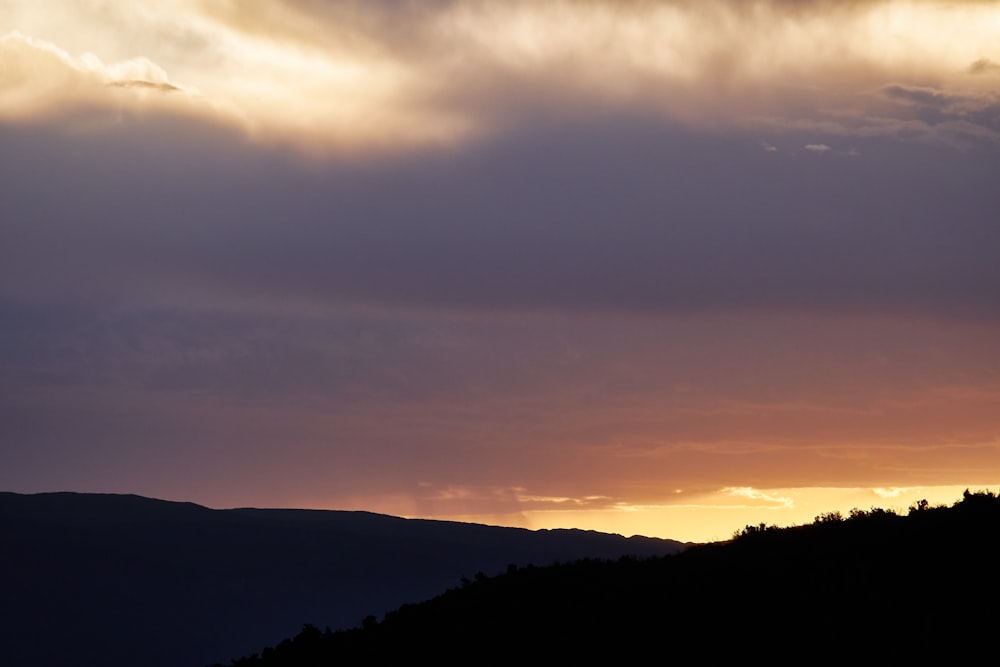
x=709, y=516
x=350, y=77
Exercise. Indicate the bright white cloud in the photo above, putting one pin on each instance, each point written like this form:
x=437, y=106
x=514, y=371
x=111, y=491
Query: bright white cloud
x=41, y=79
x=756, y=494
x=350, y=74
x=896, y=492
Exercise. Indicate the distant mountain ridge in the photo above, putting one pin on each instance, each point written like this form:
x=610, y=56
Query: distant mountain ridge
x=130, y=580
x=872, y=587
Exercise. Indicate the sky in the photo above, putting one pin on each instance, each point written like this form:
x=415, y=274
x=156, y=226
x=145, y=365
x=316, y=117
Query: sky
x=658, y=267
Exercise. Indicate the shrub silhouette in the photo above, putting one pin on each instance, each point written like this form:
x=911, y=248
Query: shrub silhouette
x=872, y=586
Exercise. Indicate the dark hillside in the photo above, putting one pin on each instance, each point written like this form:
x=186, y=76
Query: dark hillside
x=870, y=586
x=112, y=580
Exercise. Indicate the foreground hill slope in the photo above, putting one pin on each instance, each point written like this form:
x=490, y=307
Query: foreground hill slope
x=872, y=586
x=94, y=579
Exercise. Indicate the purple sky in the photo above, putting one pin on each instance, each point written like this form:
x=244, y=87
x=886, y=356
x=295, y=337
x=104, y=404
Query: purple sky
x=524, y=263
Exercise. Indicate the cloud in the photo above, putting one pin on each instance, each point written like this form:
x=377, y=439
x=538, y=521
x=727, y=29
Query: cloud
x=531, y=254
x=378, y=76
x=755, y=494
x=621, y=215
x=40, y=80
x=984, y=65
x=142, y=83
x=968, y=115
x=896, y=492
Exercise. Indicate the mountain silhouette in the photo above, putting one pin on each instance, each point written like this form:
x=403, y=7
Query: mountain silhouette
x=123, y=580
x=873, y=587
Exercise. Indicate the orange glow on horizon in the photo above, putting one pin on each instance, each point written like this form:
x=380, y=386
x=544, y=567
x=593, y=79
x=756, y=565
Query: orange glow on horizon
x=705, y=517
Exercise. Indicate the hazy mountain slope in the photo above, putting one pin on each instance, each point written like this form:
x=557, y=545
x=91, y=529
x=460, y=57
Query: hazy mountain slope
x=92, y=579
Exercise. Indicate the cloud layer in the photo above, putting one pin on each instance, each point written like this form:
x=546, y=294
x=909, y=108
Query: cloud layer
x=343, y=76
x=499, y=260
x=622, y=215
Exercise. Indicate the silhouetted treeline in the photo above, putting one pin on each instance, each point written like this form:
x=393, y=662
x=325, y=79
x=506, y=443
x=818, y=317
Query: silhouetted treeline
x=874, y=585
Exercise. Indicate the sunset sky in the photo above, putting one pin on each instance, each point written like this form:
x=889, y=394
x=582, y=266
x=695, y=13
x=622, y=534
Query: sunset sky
x=661, y=267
